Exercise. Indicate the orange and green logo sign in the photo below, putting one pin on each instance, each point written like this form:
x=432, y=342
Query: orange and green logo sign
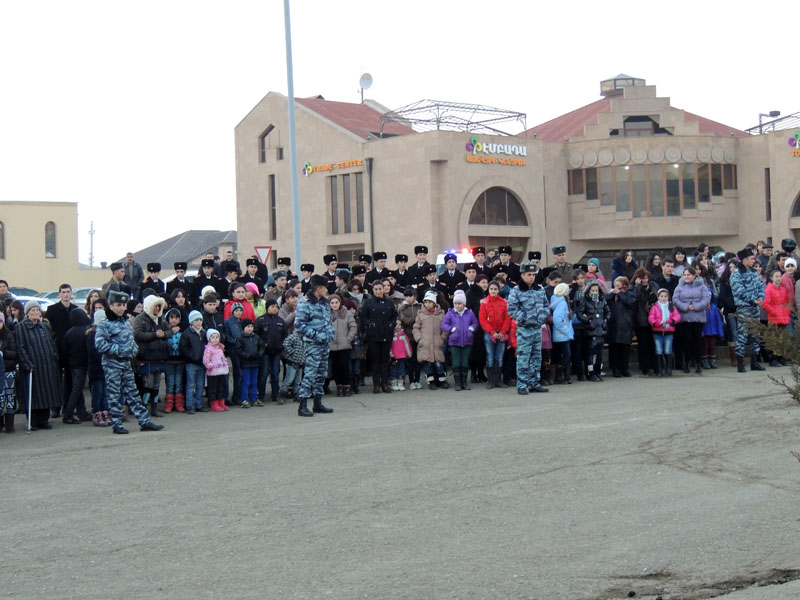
x=481, y=152
x=308, y=168
x=794, y=143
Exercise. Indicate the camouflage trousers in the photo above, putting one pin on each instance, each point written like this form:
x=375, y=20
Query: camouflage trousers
x=315, y=369
x=529, y=356
x=120, y=384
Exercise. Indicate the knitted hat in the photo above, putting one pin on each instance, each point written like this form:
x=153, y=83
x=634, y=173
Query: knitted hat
x=237, y=305
x=31, y=304
x=99, y=315
x=270, y=302
x=246, y=322
x=595, y=262
x=206, y=289
x=460, y=296
x=430, y=295
x=790, y=261
x=252, y=287
x=562, y=289
x=194, y=316
x=211, y=332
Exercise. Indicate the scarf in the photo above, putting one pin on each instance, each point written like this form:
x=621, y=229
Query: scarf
x=664, y=306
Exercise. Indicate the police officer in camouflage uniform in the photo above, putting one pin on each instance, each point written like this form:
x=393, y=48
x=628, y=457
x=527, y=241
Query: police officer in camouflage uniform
x=313, y=322
x=748, y=294
x=114, y=341
x=528, y=306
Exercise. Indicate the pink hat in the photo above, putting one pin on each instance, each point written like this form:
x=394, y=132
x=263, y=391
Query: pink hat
x=460, y=296
x=252, y=287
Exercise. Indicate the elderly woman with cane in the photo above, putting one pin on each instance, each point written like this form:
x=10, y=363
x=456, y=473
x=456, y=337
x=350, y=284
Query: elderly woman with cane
x=38, y=363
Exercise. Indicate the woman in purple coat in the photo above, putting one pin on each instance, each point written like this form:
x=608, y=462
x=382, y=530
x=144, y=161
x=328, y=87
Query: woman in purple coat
x=460, y=323
x=691, y=298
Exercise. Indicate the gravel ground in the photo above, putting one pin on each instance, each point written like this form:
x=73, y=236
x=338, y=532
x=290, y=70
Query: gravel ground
x=683, y=488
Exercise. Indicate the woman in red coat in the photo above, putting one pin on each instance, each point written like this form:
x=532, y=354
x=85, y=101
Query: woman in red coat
x=495, y=323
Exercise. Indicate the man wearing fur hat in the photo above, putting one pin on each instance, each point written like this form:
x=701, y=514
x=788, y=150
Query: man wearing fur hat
x=117, y=281
x=401, y=275
x=114, y=341
x=153, y=281
x=451, y=277
x=481, y=266
x=416, y=275
x=379, y=271
x=528, y=306
x=511, y=268
x=180, y=282
x=313, y=323
x=330, y=274
x=204, y=279
x=251, y=275
x=748, y=295
x=560, y=263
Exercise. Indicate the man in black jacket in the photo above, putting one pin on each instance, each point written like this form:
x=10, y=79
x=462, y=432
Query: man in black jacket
x=58, y=316
x=206, y=278
x=76, y=356
x=251, y=275
x=451, y=277
x=380, y=271
x=666, y=279
x=416, y=275
x=479, y=254
x=180, y=282
x=379, y=317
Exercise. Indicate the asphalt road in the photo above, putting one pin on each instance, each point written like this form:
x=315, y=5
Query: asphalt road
x=684, y=488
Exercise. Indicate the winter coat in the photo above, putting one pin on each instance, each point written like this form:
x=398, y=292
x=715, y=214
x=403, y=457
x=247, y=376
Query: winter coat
x=272, y=331
x=619, y=268
x=595, y=314
x=407, y=313
x=344, y=328
x=654, y=318
x=247, y=308
x=8, y=347
x=145, y=327
x=249, y=349
x=214, y=360
x=474, y=295
x=133, y=274
x=294, y=352
x=695, y=294
x=776, y=303
x=114, y=338
x=562, y=322
x=74, y=343
x=312, y=320
x=401, y=347
x=379, y=317
x=620, y=323
x=37, y=351
x=286, y=313
x=787, y=283
x=645, y=298
x=95, y=362
x=747, y=287
x=528, y=306
x=429, y=336
x=233, y=330
x=494, y=317
x=192, y=345
x=460, y=327
x=215, y=321
x=725, y=300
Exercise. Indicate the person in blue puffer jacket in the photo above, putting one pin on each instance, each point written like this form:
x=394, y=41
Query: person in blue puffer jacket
x=313, y=322
x=563, y=333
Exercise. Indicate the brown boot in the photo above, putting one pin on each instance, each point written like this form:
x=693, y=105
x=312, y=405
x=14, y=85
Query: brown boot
x=169, y=401
x=9, y=423
x=732, y=353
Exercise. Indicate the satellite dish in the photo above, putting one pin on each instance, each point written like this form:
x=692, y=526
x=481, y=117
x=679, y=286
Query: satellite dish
x=366, y=81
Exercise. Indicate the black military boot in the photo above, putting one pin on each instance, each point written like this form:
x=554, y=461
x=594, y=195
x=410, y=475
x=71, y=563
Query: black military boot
x=754, y=366
x=319, y=407
x=740, y=364
x=302, y=410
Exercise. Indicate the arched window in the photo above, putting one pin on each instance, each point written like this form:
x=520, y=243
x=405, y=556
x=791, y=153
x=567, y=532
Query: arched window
x=497, y=206
x=50, y=240
x=2, y=240
x=796, y=207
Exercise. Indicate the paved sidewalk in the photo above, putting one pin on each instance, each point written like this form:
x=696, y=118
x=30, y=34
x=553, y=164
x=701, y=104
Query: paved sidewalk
x=661, y=487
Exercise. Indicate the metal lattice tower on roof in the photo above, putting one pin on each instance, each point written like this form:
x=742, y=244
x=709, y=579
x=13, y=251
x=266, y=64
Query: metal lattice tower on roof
x=431, y=115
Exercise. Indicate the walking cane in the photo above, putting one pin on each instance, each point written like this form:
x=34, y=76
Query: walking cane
x=30, y=393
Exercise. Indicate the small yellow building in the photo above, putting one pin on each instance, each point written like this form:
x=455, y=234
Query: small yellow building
x=39, y=246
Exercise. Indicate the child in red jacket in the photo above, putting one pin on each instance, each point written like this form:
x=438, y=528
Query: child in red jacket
x=495, y=322
x=777, y=305
x=662, y=318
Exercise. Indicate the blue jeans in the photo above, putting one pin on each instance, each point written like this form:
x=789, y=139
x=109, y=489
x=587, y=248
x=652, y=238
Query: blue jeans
x=270, y=366
x=732, y=328
x=249, y=384
x=173, y=376
x=195, y=382
x=663, y=342
x=434, y=368
x=397, y=370
x=494, y=351
x=292, y=377
x=98, y=389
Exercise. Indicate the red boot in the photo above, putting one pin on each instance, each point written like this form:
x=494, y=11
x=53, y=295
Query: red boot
x=222, y=405
x=169, y=401
x=180, y=404
x=214, y=404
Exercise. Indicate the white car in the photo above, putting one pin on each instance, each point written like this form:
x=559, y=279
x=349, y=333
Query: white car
x=43, y=302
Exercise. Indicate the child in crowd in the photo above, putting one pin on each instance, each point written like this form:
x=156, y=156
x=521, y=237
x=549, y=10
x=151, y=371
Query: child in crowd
x=233, y=331
x=563, y=333
x=776, y=303
x=407, y=313
x=248, y=351
x=174, y=365
x=495, y=322
x=295, y=357
x=192, y=346
x=97, y=383
x=594, y=313
x=460, y=323
x=400, y=353
x=663, y=318
x=272, y=331
x=430, y=343
x=216, y=370
x=579, y=348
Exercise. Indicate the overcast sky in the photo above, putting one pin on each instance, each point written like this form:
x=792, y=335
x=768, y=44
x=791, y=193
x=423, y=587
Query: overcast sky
x=129, y=108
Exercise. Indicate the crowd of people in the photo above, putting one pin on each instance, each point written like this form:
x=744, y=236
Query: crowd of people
x=219, y=338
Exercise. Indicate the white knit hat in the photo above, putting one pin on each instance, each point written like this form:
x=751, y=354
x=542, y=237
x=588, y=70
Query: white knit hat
x=790, y=261
x=430, y=295
x=562, y=289
x=32, y=304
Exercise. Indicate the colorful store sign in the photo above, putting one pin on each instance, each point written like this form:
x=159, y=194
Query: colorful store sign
x=308, y=168
x=480, y=153
x=794, y=142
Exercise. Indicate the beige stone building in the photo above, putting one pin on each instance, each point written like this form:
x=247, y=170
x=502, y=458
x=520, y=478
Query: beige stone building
x=629, y=170
x=39, y=246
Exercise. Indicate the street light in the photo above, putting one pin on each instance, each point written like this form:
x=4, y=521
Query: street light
x=771, y=114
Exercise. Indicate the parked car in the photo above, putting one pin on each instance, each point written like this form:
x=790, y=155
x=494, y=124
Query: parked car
x=79, y=295
x=44, y=302
x=22, y=291
x=53, y=296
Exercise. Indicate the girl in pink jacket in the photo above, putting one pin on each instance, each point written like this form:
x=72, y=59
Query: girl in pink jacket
x=216, y=371
x=662, y=318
